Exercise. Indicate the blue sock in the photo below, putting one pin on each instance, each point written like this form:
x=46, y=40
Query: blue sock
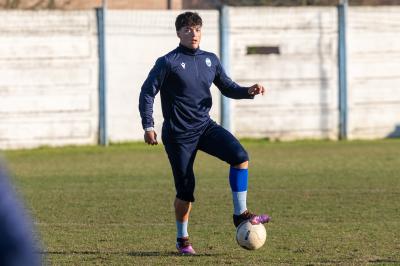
x=181, y=229
x=238, y=182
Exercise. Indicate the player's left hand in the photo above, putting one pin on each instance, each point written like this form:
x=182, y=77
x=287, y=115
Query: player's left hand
x=256, y=89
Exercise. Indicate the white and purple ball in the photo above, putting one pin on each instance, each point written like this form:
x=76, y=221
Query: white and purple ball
x=251, y=236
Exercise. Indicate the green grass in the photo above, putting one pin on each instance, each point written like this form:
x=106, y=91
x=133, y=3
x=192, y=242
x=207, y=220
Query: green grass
x=331, y=203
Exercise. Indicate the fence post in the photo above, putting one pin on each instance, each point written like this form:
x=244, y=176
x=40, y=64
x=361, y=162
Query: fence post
x=101, y=33
x=342, y=61
x=224, y=52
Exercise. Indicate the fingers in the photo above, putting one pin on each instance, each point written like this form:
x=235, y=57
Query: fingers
x=155, y=142
x=150, y=137
x=262, y=90
x=152, y=141
x=256, y=89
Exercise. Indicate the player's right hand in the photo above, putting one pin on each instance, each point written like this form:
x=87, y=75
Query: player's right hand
x=150, y=137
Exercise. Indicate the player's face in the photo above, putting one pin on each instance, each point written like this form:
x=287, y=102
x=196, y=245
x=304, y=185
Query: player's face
x=190, y=36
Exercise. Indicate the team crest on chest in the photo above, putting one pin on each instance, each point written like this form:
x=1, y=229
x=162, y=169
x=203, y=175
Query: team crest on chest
x=208, y=62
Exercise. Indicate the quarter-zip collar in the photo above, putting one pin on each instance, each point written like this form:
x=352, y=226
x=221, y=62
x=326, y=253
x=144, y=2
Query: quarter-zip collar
x=189, y=51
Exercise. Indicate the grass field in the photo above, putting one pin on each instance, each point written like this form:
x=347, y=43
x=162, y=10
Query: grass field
x=331, y=203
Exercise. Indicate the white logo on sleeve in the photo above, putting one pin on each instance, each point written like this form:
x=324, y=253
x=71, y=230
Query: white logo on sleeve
x=208, y=62
x=183, y=65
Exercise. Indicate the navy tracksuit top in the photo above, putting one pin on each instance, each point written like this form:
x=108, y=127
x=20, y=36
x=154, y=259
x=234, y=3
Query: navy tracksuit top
x=184, y=77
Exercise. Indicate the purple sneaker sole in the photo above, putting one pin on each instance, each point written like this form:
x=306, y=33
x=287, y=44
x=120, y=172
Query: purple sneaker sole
x=187, y=250
x=260, y=219
x=253, y=218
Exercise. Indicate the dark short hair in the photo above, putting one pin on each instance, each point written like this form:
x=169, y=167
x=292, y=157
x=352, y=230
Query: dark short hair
x=188, y=19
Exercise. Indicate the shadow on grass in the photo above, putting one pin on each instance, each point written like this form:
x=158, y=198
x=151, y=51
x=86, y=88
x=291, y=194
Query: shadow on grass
x=163, y=254
x=132, y=253
x=384, y=261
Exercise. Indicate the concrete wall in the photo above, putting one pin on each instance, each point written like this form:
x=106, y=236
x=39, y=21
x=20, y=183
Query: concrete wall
x=49, y=78
x=89, y=4
x=49, y=72
x=301, y=81
x=374, y=72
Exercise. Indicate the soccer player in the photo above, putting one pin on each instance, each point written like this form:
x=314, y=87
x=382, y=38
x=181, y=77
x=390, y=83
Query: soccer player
x=184, y=77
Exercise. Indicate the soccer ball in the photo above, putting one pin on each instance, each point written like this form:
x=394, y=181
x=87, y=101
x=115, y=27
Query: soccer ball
x=250, y=236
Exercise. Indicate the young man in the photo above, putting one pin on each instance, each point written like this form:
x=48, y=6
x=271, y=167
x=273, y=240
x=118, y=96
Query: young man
x=183, y=77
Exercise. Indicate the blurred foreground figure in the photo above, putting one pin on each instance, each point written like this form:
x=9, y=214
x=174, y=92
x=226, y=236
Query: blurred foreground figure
x=17, y=245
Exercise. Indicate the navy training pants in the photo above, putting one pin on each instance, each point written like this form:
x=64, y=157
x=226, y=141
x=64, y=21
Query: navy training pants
x=214, y=140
